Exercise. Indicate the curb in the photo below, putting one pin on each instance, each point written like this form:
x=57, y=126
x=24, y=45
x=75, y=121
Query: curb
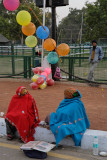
x=44, y=134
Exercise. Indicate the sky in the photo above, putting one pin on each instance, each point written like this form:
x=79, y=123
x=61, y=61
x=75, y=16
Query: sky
x=64, y=10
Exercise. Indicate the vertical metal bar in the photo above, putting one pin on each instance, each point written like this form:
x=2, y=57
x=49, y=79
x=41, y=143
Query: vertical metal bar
x=54, y=22
x=80, y=56
x=33, y=57
x=29, y=66
x=13, y=62
x=71, y=68
x=53, y=66
x=25, y=67
x=44, y=4
x=81, y=29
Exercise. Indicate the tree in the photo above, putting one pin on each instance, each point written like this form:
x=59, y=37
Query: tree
x=8, y=25
x=69, y=28
x=96, y=20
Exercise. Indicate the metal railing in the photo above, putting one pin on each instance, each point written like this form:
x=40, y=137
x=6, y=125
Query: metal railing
x=20, y=60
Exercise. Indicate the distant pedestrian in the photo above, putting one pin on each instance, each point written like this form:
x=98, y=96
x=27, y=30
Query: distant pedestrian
x=96, y=55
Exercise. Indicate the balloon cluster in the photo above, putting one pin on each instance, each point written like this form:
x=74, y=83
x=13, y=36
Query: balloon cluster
x=40, y=78
x=29, y=29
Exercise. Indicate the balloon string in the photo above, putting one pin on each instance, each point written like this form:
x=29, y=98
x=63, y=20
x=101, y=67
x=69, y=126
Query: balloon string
x=44, y=29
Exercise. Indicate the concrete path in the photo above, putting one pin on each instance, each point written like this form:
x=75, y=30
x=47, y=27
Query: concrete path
x=11, y=150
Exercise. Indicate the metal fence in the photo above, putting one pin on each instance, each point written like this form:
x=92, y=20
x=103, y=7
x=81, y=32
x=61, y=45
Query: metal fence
x=16, y=60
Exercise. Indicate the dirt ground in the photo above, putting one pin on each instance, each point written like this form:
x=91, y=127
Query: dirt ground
x=48, y=99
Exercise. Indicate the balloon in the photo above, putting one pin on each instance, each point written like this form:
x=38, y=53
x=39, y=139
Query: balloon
x=49, y=44
x=31, y=41
x=11, y=5
x=63, y=49
x=42, y=33
x=43, y=77
x=52, y=57
x=48, y=71
x=23, y=18
x=50, y=82
x=28, y=30
x=40, y=80
x=47, y=80
x=43, y=86
x=34, y=85
x=34, y=78
x=37, y=70
x=44, y=73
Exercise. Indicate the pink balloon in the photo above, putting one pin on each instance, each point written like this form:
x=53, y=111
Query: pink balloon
x=45, y=74
x=11, y=5
x=50, y=82
x=48, y=71
x=40, y=80
x=34, y=85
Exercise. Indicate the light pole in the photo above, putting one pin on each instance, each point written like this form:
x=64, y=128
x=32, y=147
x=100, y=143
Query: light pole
x=81, y=29
x=44, y=4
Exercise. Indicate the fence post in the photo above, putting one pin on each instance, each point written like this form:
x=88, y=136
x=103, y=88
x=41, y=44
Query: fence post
x=80, y=56
x=13, y=62
x=25, y=66
x=29, y=66
x=71, y=68
x=33, y=56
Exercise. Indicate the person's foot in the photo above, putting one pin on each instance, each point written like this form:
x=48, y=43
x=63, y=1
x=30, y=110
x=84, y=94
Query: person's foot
x=9, y=137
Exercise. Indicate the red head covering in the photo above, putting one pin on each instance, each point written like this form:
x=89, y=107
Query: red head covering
x=19, y=90
x=23, y=114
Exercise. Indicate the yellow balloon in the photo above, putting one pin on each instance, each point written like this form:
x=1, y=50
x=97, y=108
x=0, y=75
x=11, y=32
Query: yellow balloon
x=43, y=86
x=34, y=78
x=31, y=41
x=23, y=18
x=63, y=49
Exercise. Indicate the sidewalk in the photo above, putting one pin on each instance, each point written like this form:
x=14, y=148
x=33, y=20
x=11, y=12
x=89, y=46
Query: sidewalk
x=11, y=150
x=86, y=142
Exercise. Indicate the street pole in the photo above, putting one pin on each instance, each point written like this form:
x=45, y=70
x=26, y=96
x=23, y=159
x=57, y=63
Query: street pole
x=44, y=4
x=54, y=22
x=81, y=29
x=53, y=66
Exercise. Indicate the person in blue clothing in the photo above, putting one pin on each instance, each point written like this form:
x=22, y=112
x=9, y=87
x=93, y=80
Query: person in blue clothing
x=70, y=118
x=96, y=55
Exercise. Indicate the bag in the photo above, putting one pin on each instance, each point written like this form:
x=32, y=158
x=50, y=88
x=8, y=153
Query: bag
x=35, y=154
x=57, y=73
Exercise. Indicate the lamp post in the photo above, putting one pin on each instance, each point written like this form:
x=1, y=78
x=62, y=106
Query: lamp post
x=44, y=4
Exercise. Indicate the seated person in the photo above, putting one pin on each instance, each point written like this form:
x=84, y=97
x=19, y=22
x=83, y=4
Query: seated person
x=70, y=118
x=22, y=116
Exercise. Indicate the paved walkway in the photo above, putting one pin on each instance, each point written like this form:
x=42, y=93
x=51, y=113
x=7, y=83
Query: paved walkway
x=11, y=150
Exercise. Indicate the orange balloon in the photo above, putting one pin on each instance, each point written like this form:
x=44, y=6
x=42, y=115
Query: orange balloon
x=49, y=44
x=29, y=30
x=63, y=49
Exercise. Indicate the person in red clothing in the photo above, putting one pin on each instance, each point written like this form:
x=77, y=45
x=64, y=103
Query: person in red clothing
x=22, y=116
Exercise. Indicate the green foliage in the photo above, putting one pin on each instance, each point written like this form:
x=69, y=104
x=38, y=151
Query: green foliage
x=69, y=27
x=94, y=23
x=8, y=24
x=96, y=20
